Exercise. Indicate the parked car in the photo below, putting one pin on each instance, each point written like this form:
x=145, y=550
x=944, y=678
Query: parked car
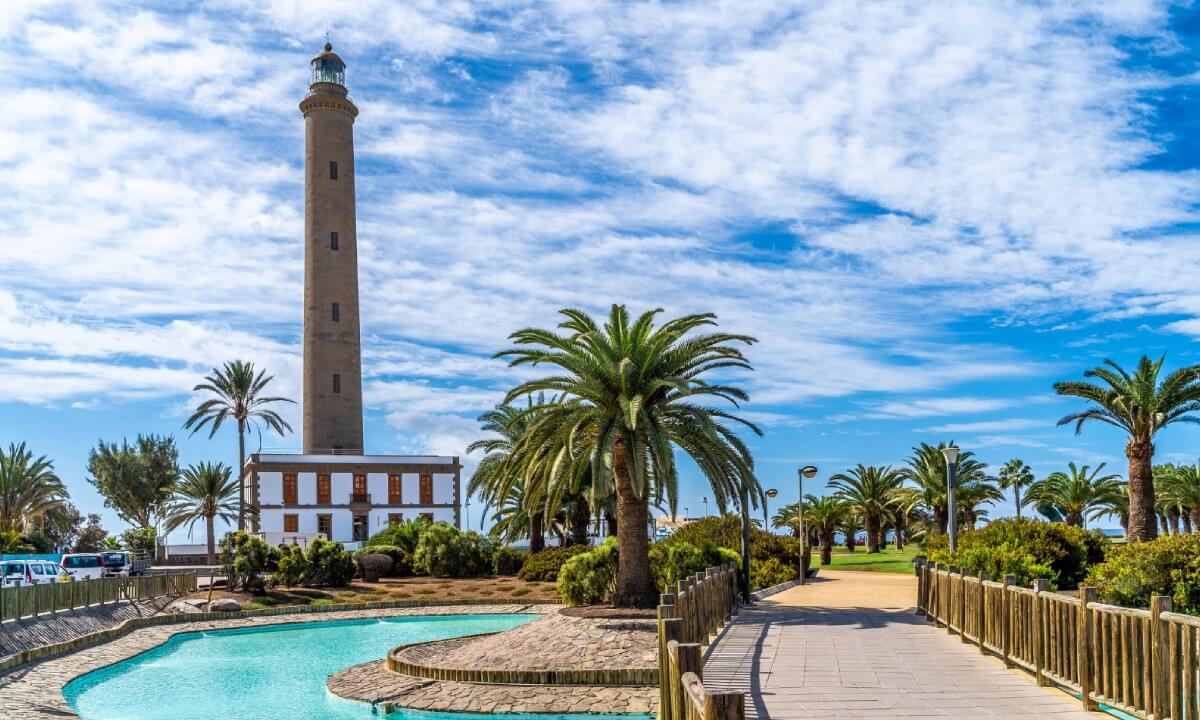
x=84, y=565
x=125, y=563
x=19, y=573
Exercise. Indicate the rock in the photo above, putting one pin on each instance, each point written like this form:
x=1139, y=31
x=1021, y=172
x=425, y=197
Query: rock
x=224, y=605
x=182, y=607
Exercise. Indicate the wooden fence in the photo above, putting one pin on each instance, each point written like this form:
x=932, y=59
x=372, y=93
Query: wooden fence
x=689, y=614
x=31, y=601
x=1141, y=662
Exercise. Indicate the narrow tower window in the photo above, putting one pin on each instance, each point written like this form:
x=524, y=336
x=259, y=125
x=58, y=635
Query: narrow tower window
x=332, y=170
x=337, y=315
x=337, y=383
x=333, y=241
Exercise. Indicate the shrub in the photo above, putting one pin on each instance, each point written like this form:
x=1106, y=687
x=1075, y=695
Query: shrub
x=770, y=572
x=244, y=558
x=323, y=563
x=725, y=531
x=590, y=577
x=401, y=559
x=1133, y=573
x=507, y=561
x=140, y=539
x=544, y=566
x=445, y=552
x=1061, y=551
x=404, y=534
x=673, y=561
x=373, y=566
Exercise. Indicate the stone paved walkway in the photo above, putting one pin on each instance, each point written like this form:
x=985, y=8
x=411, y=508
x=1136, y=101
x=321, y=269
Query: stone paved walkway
x=848, y=645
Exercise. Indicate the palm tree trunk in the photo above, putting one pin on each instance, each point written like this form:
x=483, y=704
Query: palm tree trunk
x=941, y=519
x=635, y=586
x=581, y=517
x=1164, y=526
x=212, y=539
x=610, y=524
x=1187, y=522
x=871, y=521
x=826, y=548
x=537, y=536
x=1195, y=514
x=241, y=471
x=1140, y=452
x=1017, y=498
x=1074, y=518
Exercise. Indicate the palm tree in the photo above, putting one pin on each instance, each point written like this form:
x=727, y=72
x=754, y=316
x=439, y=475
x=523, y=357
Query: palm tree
x=492, y=482
x=971, y=499
x=29, y=489
x=927, y=469
x=1015, y=475
x=1181, y=488
x=1080, y=494
x=238, y=396
x=788, y=517
x=869, y=490
x=205, y=492
x=629, y=394
x=1140, y=405
x=824, y=516
x=904, y=507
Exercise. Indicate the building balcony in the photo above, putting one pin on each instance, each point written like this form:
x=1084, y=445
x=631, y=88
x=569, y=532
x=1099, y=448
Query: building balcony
x=360, y=498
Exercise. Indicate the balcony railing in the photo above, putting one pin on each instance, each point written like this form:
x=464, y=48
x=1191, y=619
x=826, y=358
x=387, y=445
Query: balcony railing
x=360, y=497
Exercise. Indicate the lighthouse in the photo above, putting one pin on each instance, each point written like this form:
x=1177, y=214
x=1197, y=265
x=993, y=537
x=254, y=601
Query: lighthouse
x=333, y=408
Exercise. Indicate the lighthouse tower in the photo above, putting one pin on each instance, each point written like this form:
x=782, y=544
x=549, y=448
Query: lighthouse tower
x=333, y=410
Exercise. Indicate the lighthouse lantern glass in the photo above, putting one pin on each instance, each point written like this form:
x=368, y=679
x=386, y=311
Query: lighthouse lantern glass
x=328, y=70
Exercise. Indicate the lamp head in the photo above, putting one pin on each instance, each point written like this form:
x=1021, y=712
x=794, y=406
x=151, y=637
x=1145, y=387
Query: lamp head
x=950, y=452
x=772, y=493
x=809, y=471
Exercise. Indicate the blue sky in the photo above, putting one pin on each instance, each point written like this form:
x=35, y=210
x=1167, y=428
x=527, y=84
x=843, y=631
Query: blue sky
x=927, y=212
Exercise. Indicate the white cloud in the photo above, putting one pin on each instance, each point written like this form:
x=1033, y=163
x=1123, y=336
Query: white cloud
x=989, y=426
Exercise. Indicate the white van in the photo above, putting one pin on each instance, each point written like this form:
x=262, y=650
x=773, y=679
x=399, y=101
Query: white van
x=18, y=573
x=84, y=565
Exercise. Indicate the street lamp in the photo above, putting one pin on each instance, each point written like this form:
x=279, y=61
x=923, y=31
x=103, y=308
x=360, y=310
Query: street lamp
x=685, y=513
x=766, y=507
x=810, y=472
x=467, y=512
x=950, y=452
x=705, y=501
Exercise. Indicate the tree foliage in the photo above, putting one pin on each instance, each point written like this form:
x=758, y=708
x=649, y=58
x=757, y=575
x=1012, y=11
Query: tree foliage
x=136, y=480
x=29, y=489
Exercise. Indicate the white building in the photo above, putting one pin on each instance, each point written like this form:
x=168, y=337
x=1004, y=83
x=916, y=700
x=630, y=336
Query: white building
x=348, y=498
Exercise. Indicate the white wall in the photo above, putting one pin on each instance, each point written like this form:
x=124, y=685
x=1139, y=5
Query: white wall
x=270, y=488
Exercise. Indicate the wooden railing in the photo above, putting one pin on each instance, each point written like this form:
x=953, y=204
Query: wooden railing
x=690, y=613
x=31, y=601
x=1141, y=662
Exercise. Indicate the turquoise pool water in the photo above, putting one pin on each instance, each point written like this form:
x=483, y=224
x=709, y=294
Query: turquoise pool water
x=269, y=673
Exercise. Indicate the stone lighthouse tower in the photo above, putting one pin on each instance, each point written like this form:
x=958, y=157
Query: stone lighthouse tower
x=333, y=410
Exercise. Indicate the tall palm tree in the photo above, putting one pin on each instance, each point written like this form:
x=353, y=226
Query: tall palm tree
x=1015, y=476
x=869, y=490
x=1181, y=487
x=824, y=516
x=971, y=499
x=29, y=489
x=903, y=509
x=629, y=394
x=237, y=395
x=1080, y=494
x=1141, y=405
x=205, y=492
x=927, y=470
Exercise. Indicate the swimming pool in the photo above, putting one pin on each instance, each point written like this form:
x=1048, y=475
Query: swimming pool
x=267, y=673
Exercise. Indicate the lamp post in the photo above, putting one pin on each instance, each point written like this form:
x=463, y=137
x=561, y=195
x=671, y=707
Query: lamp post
x=808, y=471
x=767, y=507
x=745, y=503
x=685, y=513
x=950, y=452
x=467, y=512
x=705, y=501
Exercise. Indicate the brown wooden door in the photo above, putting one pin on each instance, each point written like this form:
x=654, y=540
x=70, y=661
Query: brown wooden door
x=324, y=494
x=426, y=489
x=325, y=526
x=360, y=489
x=289, y=489
x=394, y=495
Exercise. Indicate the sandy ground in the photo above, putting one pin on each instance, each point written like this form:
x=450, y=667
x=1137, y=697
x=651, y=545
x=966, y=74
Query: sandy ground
x=850, y=589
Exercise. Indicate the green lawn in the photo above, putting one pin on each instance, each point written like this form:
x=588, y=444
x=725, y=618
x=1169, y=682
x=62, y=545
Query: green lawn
x=890, y=560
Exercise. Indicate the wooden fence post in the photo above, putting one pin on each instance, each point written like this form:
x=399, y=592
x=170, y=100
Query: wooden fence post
x=981, y=612
x=688, y=655
x=1158, y=653
x=724, y=706
x=1006, y=619
x=1083, y=642
x=1039, y=586
x=668, y=633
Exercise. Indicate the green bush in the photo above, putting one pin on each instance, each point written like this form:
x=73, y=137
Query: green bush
x=145, y=539
x=1062, y=552
x=404, y=534
x=244, y=558
x=443, y=551
x=507, y=561
x=401, y=558
x=1133, y=573
x=770, y=572
x=290, y=566
x=725, y=531
x=671, y=562
x=324, y=563
x=544, y=566
x=590, y=577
